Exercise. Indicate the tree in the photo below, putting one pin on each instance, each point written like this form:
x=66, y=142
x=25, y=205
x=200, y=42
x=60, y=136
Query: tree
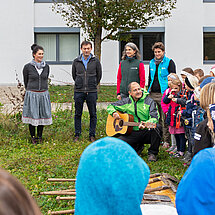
x=114, y=17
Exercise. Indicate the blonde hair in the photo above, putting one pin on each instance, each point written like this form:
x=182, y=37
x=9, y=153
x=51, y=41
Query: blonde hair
x=14, y=198
x=176, y=82
x=207, y=97
x=134, y=47
x=173, y=76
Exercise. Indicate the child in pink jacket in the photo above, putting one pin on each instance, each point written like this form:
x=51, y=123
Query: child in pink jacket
x=165, y=108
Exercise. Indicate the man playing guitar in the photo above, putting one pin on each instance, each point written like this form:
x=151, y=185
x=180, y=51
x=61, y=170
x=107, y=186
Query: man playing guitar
x=144, y=110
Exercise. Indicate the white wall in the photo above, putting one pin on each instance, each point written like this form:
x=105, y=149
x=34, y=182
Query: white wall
x=183, y=34
x=16, y=23
x=183, y=38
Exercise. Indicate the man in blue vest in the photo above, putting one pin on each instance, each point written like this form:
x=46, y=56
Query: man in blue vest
x=159, y=68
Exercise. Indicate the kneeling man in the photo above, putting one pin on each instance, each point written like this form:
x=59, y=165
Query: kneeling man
x=144, y=110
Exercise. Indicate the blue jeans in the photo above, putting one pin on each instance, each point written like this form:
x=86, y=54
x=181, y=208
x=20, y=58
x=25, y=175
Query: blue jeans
x=91, y=104
x=180, y=142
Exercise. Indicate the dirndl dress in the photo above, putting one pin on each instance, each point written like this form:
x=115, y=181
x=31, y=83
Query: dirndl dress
x=37, y=108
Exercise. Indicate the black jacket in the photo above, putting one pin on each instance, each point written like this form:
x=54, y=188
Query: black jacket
x=86, y=80
x=32, y=79
x=202, y=138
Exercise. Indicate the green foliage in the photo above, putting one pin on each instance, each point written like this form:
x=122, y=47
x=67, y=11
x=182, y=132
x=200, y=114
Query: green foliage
x=64, y=93
x=113, y=16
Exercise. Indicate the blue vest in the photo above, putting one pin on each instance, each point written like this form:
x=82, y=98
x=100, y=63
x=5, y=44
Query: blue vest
x=162, y=73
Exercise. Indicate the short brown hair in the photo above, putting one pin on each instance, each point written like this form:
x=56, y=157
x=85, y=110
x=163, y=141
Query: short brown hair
x=158, y=45
x=85, y=43
x=188, y=70
x=200, y=72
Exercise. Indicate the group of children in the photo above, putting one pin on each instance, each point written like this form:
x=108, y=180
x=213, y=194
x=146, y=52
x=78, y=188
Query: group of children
x=181, y=105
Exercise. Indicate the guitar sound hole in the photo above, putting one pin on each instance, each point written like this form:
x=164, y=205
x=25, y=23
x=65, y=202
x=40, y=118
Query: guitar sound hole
x=120, y=122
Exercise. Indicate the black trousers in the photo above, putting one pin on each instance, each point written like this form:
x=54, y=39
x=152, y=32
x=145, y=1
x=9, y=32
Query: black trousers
x=137, y=140
x=90, y=99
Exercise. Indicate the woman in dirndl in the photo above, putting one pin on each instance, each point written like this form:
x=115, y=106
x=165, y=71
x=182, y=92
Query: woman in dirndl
x=37, y=105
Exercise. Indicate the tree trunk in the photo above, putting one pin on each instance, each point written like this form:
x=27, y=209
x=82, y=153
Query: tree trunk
x=97, y=47
x=97, y=43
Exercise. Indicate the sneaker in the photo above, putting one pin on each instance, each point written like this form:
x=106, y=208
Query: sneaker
x=187, y=157
x=165, y=145
x=173, y=151
x=178, y=155
x=171, y=148
x=152, y=158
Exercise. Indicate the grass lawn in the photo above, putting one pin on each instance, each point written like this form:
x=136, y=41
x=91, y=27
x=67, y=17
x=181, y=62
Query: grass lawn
x=63, y=94
x=58, y=156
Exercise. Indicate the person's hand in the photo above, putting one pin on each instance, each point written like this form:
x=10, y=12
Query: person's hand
x=170, y=96
x=174, y=99
x=142, y=125
x=116, y=115
x=119, y=97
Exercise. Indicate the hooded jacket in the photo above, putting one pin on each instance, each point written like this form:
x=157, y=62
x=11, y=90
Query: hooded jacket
x=196, y=191
x=145, y=109
x=111, y=179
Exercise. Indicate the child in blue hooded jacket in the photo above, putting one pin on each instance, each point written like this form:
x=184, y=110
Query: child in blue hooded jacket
x=111, y=180
x=196, y=190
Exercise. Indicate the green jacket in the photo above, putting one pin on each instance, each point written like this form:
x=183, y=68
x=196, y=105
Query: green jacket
x=145, y=109
x=130, y=73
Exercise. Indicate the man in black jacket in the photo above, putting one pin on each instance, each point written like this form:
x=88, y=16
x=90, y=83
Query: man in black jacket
x=87, y=73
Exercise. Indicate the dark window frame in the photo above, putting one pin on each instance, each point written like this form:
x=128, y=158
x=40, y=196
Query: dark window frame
x=208, y=30
x=208, y=1
x=57, y=31
x=140, y=32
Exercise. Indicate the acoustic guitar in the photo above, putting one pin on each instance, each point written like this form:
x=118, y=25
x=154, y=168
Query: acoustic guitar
x=123, y=125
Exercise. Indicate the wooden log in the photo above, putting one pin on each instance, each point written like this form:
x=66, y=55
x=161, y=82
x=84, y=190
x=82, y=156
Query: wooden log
x=58, y=193
x=62, y=212
x=149, y=190
x=153, y=180
x=61, y=179
x=154, y=197
x=169, y=183
x=166, y=175
x=58, y=198
x=155, y=175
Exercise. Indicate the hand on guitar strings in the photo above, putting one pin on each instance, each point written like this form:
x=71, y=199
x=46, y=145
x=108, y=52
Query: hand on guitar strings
x=116, y=115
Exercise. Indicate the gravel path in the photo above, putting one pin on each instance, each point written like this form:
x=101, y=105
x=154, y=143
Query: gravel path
x=6, y=94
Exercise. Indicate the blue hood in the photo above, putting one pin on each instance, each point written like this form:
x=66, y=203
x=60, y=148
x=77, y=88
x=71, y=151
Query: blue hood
x=111, y=179
x=196, y=191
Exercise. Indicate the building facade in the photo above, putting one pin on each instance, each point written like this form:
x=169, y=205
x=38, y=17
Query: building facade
x=188, y=35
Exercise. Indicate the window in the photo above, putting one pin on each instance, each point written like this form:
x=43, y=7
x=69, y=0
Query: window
x=208, y=1
x=209, y=44
x=59, y=48
x=144, y=39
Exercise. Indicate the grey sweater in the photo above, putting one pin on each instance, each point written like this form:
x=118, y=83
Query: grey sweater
x=32, y=79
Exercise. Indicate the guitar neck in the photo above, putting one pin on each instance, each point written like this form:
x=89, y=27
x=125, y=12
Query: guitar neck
x=131, y=124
